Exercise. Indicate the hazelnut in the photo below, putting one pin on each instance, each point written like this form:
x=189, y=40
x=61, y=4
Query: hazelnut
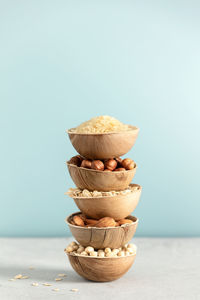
x=119, y=169
x=107, y=170
x=86, y=164
x=110, y=164
x=128, y=164
x=76, y=160
x=97, y=165
x=101, y=254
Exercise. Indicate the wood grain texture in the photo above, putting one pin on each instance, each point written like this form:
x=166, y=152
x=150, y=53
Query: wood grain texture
x=117, y=207
x=103, y=146
x=99, y=180
x=99, y=238
x=101, y=269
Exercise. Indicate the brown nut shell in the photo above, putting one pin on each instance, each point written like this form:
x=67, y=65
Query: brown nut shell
x=78, y=221
x=86, y=163
x=83, y=217
x=76, y=160
x=128, y=164
x=120, y=169
x=124, y=221
x=110, y=164
x=91, y=221
x=97, y=165
x=106, y=222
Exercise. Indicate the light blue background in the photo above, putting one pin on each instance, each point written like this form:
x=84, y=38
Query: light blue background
x=63, y=62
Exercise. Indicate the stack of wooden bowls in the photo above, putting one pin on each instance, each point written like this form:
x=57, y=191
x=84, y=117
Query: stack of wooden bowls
x=120, y=206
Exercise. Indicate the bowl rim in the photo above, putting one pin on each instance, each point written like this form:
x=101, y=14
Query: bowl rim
x=96, y=257
x=99, y=228
x=92, y=170
x=108, y=197
x=132, y=128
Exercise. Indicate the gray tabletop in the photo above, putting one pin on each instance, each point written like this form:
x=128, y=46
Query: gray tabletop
x=164, y=269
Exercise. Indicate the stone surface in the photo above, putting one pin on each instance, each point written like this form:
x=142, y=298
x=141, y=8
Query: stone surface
x=164, y=269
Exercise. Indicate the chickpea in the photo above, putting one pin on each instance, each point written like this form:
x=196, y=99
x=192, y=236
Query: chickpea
x=121, y=253
x=101, y=254
x=132, y=246
x=131, y=250
x=75, y=247
x=115, y=251
x=73, y=244
x=69, y=249
x=109, y=254
x=93, y=253
x=107, y=250
x=80, y=249
x=89, y=249
x=84, y=253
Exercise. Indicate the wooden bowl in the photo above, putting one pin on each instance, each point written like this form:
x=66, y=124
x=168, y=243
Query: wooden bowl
x=117, y=207
x=100, y=238
x=101, y=269
x=103, y=145
x=99, y=180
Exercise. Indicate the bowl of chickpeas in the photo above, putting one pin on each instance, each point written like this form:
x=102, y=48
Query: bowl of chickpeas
x=103, y=264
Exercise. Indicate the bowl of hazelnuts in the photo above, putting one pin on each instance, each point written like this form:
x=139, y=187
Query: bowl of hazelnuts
x=101, y=175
